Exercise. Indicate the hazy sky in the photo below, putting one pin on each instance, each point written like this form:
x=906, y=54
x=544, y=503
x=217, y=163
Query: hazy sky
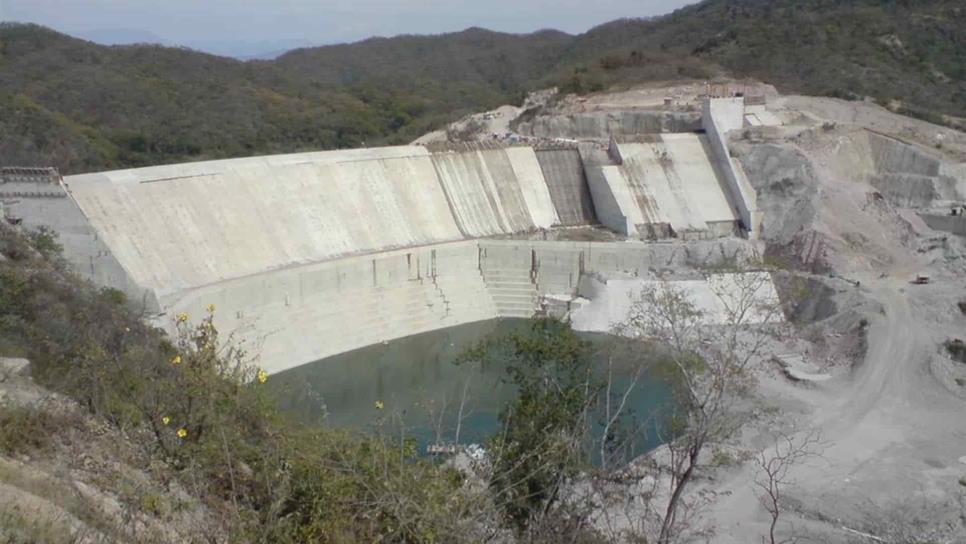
x=321, y=21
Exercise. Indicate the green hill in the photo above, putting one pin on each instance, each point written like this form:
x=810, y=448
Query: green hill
x=82, y=106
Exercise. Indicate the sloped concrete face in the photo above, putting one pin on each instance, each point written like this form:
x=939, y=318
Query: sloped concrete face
x=668, y=185
x=496, y=191
x=535, y=187
x=567, y=183
x=181, y=227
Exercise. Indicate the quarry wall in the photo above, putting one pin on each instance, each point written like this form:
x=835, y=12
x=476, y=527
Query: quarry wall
x=605, y=124
x=912, y=176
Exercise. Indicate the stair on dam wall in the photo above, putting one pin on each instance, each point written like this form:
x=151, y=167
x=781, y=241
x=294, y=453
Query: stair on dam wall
x=513, y=291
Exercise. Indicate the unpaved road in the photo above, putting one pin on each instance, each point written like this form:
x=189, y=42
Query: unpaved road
x=892, y=433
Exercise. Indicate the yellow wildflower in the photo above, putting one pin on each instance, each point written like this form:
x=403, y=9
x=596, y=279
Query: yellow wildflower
x=262, y=376
x=166, y=420
x=127, y=329
x=211, y=308
x=182, y=432
x=379, y=405
x=176, y=360
x=182, y=317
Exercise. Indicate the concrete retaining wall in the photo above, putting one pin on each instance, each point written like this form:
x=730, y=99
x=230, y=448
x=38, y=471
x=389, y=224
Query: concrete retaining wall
x=301, y=314
x=721, y=115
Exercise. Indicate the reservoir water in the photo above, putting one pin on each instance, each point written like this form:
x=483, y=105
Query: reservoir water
x=411, y=387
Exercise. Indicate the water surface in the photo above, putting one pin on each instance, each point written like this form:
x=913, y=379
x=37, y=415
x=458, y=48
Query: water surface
x=412, y=387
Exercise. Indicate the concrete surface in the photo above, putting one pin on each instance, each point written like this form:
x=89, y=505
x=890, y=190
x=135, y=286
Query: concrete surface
x=675, y=182
x=300, y=314
x=720, y=116
x=567, y=183
x=612, y=299
x=272, y=212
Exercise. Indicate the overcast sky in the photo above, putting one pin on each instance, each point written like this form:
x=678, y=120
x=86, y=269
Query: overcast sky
x=320, y=21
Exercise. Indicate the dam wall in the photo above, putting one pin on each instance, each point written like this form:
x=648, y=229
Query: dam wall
x=37, y=201
x=313, y=254
x=164, y=228
x=301, y=314
x=720, y=116
x=954, y=224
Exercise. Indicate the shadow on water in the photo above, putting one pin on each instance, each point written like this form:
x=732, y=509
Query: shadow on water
x=411, y=387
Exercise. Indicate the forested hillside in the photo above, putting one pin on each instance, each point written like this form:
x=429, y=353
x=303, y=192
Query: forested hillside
x=81, y=106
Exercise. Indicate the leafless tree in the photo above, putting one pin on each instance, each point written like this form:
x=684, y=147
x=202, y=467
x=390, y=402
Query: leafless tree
x=774, y=464
x=709, y=353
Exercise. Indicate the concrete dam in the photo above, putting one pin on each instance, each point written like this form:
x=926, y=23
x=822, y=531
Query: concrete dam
x=312, y=254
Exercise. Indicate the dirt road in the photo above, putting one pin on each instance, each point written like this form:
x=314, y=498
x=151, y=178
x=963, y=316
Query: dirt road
x=893, y=434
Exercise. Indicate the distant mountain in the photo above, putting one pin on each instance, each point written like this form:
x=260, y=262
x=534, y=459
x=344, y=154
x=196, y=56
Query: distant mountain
x=248, y=50
x=81, y=106
x=121, y=36
x=237, y=49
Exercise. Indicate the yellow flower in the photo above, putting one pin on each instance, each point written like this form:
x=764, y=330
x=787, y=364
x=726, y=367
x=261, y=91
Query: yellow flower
x=127, y=329
x=262, y=376
x=176, y=360
x=166, y=420
x=379, y=405
x=182, y=432
x=182, y=317
x=211, y=308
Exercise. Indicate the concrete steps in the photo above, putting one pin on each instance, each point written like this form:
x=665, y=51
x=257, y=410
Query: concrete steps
x=513, y=291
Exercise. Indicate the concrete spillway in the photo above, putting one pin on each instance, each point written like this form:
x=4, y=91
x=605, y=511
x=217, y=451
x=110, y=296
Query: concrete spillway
x=666, y=185
x=495, y=191
x=567, y=182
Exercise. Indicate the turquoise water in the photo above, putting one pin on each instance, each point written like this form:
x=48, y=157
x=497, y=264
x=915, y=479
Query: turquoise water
x=420, y=389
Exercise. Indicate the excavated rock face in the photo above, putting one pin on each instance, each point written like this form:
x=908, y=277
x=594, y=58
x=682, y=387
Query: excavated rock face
x=823, y=209
x=606, y=124
x=786, y=185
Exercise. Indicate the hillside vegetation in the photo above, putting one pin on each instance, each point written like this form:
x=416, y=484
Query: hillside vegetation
x=81, y=106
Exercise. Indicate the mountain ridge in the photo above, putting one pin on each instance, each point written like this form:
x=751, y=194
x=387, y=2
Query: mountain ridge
x=81, y=106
